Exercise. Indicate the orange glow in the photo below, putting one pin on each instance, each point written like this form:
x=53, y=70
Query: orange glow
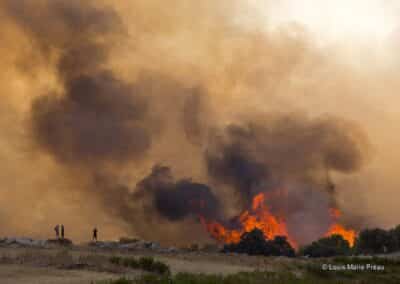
x=348, y=235
x=258, y=217
x=337, y=229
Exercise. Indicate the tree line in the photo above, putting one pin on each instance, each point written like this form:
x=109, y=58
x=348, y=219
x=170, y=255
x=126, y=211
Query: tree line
x=369, y=241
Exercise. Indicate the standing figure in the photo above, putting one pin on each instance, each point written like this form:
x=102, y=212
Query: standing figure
x=57, y=229
x=95, y=234
x=62, y=231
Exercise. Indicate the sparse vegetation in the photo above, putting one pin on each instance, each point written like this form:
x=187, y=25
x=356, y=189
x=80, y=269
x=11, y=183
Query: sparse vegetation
x=310, y=274
x=144, y=263
x=118, y=281
x=280, y=270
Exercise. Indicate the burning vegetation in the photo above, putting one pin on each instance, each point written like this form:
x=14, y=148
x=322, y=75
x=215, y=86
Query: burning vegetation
x=338, y=229
x=259, y=217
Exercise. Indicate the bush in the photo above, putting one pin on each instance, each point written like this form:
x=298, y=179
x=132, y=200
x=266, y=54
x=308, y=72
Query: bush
x=123, y=281
x=255, y=243
x=326, y=247
x=160, y=267
x=252, y=243
x=372, y=241
x=115, y=260
x=395, y=234
x=282, y=247
x=144, y=263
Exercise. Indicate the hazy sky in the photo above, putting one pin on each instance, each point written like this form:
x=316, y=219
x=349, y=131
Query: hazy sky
x=373, y=20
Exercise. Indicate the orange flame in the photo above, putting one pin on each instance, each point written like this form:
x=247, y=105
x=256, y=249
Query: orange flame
x=258, y=217
x=337, y=229
x=349, y=235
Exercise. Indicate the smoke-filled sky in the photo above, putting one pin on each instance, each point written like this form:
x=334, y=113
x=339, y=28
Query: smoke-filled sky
x=139, y=116
x=360, y=19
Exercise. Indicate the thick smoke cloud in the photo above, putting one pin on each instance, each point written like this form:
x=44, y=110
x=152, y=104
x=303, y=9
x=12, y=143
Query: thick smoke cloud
x=159, y=201
x=259, y=156
x=180, y=199
x=99, y=119
x=210, y=99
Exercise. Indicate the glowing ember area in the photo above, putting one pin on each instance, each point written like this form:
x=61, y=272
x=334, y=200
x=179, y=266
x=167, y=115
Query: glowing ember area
x=258, y=217
x=337, y=229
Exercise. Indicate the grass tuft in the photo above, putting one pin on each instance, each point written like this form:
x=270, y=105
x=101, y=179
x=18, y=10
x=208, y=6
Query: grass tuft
x=144, y=263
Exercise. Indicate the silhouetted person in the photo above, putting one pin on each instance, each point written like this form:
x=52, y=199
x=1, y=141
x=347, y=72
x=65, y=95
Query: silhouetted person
x=57, y=229
x=95, y=234
x=62, y=231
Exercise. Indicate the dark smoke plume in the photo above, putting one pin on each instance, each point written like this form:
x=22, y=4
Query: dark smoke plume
x=98, y=119
x=259, y=156
x=176, y=200
x=159, y=201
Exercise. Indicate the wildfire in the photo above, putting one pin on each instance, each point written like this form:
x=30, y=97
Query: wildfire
x=337, y=229
x=259, y=216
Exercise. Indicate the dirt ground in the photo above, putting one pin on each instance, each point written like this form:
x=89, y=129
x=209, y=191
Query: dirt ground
x=20, y=273
x=85, y=265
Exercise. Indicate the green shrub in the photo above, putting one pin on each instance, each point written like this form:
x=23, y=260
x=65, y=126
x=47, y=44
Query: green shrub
x=160, y=267
x=395, y=233
x=118, y=281
x=371, y=241
x=123, y=281
x=131, y=262
x=154, y=279
x=327, y=247
x=115, y=260
x=144, y=263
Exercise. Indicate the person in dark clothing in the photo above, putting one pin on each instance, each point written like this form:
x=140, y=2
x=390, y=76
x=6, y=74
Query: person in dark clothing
x=95, y=234
x=62, y=231
x=57, y=230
